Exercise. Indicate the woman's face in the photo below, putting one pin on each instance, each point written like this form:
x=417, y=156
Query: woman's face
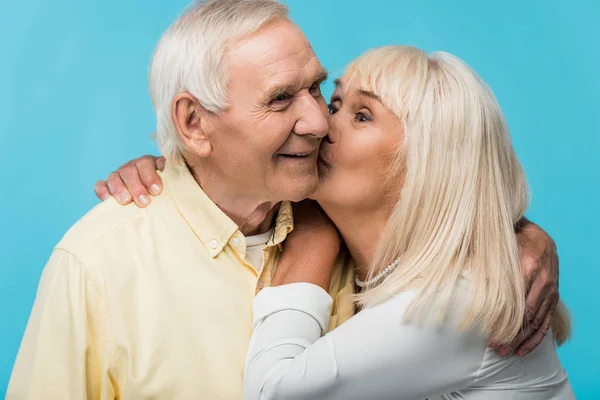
x=355, y=158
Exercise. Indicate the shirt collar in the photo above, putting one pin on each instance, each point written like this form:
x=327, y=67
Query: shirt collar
x=284, y=223
x=211, y=225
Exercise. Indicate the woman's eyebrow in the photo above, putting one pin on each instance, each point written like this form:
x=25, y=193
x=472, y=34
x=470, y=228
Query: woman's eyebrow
x=370, y=94
x=362, y=92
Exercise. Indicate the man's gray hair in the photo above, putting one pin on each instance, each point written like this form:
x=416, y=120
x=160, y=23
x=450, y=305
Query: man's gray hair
x=189, y=57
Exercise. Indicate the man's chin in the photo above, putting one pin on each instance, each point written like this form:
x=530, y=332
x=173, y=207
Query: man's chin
x=298, y=188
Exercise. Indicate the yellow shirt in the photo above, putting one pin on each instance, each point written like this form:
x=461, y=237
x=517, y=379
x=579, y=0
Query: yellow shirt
x=151, y=303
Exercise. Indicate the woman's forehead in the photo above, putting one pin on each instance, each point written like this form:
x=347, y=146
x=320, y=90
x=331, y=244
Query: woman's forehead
x=352, y=86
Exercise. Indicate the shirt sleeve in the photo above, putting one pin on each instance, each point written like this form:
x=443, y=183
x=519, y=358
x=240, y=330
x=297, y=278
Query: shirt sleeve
x=62, y=352
x=375, y=354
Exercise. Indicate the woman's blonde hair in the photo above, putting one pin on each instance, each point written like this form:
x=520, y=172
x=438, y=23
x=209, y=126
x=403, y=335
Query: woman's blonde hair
x=463, y=191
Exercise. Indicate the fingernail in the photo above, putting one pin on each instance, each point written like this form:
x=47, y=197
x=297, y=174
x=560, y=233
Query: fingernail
x=155, y=189
x=124, y=197
x=143, y=199
x=523, y=353
x=505, y=351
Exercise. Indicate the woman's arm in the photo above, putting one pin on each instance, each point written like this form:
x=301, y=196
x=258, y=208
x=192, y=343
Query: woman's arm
x=375, y=354
x=138, y=181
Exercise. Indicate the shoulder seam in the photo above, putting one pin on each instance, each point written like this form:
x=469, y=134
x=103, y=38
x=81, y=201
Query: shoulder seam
x=96, y=239
x=100, y=287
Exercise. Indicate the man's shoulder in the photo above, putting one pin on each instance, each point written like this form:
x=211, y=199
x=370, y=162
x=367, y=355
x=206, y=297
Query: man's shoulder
x=108, y=218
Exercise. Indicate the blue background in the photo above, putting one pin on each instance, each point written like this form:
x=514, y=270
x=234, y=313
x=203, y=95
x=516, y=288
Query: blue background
x=74, y=105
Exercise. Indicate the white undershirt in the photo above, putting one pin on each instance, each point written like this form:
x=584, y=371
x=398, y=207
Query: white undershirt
x=254, y=249
x=378, y=355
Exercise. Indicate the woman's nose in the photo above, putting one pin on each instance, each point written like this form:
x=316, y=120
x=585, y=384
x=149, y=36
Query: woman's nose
x=333, y=136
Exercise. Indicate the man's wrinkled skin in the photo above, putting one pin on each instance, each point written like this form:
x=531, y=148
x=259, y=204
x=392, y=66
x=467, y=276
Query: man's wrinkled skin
x=138, y=181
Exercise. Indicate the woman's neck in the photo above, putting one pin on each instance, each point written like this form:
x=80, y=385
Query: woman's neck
x=361, y=231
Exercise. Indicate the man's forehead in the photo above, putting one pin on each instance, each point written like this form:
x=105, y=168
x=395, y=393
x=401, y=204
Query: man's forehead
x=294, y=74
x=284, y=64
x=276, y=41
x=278, y=51
x=284, y=77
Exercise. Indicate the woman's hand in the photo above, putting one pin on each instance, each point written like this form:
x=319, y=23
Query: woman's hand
x=136, y=180
x=310, y=250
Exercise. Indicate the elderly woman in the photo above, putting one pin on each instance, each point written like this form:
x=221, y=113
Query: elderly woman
x=421, y=180
x=419, y=176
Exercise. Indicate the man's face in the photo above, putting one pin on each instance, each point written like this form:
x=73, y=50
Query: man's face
x=267, y=142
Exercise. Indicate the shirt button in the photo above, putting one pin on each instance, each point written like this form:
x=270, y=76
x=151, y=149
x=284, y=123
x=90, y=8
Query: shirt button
x=235, y=242
x=213, y=244
x=261, y=285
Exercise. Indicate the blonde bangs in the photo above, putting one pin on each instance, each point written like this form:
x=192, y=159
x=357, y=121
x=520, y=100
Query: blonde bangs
x=394, y=73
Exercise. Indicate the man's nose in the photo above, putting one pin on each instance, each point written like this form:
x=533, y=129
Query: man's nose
x=313, y=118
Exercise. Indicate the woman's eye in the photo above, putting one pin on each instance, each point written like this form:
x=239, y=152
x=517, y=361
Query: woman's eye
x=362, y=117
x=332, y=109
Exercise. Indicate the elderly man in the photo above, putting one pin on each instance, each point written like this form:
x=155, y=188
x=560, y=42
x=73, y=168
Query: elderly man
x=156, y=302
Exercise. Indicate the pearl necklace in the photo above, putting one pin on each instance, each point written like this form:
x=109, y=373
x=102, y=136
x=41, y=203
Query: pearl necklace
x=380, y=277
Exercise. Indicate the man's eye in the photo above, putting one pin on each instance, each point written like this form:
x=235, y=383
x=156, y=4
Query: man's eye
x=281, y=97
x=315, y=90
x=332, y=109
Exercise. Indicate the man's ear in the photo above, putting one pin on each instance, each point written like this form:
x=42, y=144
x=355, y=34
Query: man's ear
x=189, y=118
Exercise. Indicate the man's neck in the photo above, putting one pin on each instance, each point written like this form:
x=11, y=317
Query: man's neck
x=251, y=215
x=361, y=231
